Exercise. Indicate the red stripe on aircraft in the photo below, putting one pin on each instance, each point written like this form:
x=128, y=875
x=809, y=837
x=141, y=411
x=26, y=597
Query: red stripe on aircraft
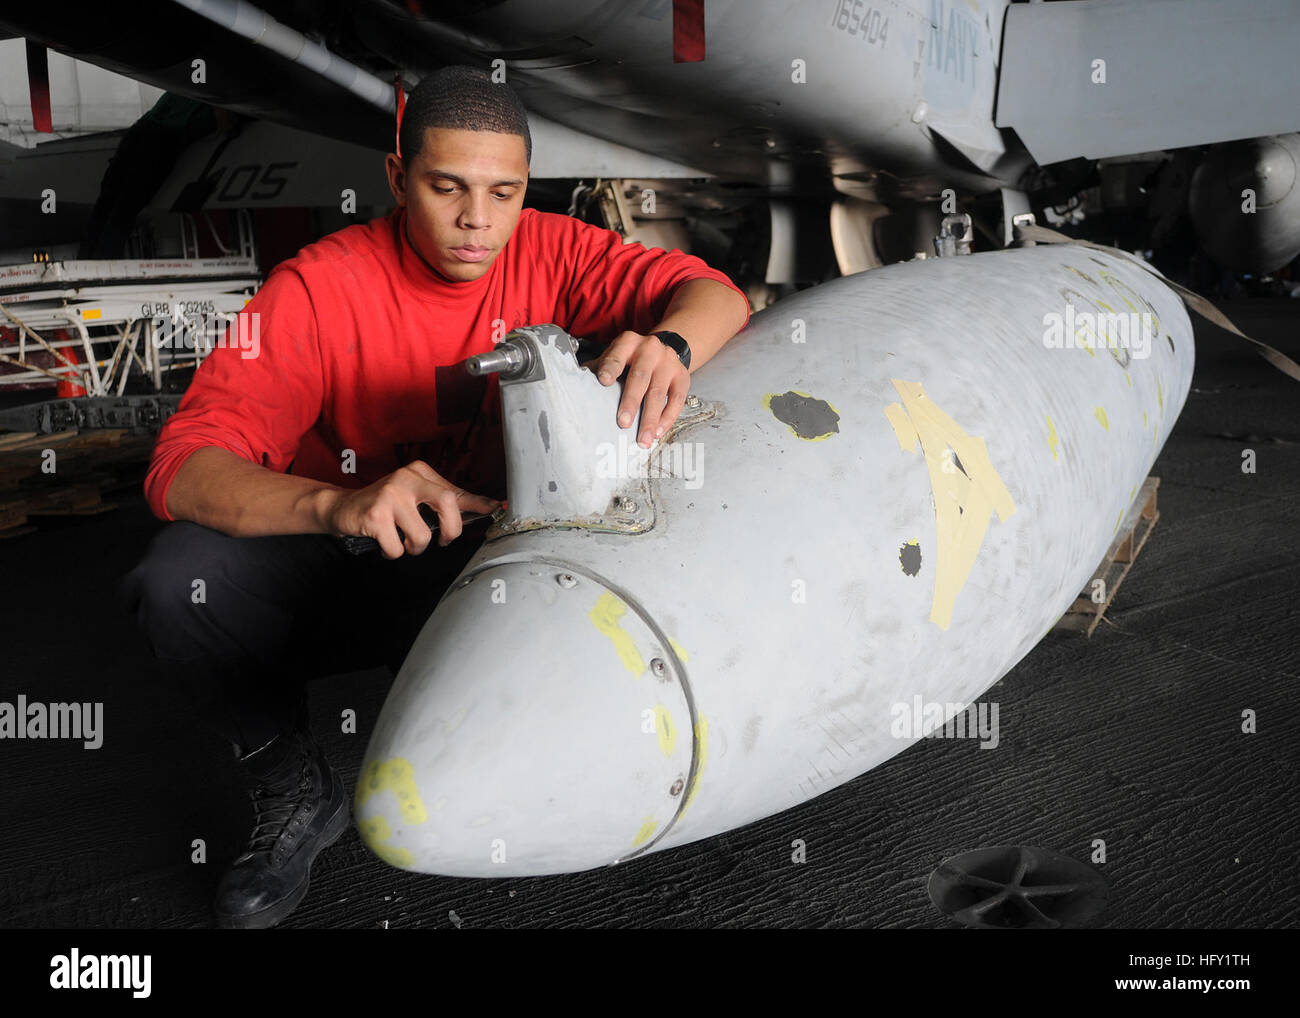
x=688, y=31
x=400, y=99
x=38, y=83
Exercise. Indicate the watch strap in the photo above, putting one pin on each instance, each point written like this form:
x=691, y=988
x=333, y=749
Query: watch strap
x=677, y=344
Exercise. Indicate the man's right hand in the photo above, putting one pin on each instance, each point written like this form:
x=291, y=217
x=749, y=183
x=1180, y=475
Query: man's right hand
x=394, y=501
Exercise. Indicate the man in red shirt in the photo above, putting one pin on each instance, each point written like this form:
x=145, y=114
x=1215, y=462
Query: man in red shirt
x=340, y=405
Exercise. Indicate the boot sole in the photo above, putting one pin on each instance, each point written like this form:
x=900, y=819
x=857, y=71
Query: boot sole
x=278, y=912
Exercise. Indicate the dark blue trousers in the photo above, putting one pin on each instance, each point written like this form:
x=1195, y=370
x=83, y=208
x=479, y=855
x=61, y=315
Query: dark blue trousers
x=244, y=622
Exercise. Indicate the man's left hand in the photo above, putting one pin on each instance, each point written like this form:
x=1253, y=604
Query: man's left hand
x=656, y=378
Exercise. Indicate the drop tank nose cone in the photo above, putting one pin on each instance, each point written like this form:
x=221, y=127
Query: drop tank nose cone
x=540, y=724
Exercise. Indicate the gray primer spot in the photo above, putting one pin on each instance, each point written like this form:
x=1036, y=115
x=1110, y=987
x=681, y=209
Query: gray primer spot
x=550, y=486
x=809, y=418
x=546, y=432
x=909, y=556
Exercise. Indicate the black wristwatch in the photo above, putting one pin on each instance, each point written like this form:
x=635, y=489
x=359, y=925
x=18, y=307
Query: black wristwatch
x=679, y=345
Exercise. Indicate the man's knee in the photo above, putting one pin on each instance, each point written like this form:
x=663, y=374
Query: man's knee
x=199, y=593
x=163, y=589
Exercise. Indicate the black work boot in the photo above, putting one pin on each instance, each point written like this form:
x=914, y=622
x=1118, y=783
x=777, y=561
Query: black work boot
x=301, y=808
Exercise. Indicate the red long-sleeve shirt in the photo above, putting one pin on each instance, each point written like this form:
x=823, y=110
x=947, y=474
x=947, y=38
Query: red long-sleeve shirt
x=359, y=347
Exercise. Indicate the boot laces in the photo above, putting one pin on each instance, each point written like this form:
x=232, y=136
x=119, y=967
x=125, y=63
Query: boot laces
x=274, y=809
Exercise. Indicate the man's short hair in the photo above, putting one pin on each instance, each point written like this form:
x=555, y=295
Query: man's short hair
x=465, y=99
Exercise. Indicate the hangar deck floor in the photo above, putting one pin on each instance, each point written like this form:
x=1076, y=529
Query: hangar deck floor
x=1133, y=737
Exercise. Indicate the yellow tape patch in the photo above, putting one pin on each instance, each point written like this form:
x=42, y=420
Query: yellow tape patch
x=605, y=615
x=1088, y=342
x=647, y=829
x=375, y=833
x=702, y=754
x=396, y=776
x=967, y=491
x=1053, y=439
x=907, y=437
x=1100, y=414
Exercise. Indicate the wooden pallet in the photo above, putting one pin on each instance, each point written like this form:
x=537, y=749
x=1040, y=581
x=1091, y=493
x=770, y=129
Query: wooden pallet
x=88, y=464
x=1084, y=615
